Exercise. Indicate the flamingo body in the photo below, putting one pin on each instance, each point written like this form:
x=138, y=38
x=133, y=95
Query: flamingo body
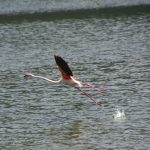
x=67, y=78
x=71, y=82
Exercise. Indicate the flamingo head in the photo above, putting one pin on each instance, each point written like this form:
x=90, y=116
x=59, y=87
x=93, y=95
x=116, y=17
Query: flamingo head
x=28, y=74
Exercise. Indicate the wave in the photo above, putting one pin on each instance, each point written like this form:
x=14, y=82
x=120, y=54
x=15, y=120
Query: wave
x=75, y=12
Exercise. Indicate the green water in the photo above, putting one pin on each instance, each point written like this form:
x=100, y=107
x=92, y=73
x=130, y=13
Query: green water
x=109, y=52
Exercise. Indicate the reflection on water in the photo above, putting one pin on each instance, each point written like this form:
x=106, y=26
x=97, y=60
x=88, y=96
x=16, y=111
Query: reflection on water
x=108, y=52
x=74, y=131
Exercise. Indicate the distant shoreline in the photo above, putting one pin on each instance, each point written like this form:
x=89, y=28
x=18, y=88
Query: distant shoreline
x=78, y=13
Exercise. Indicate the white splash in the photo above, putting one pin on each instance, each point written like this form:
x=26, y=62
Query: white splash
x=119, y=115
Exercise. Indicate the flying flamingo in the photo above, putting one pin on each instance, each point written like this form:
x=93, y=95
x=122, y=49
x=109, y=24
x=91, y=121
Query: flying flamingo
x=68, y=79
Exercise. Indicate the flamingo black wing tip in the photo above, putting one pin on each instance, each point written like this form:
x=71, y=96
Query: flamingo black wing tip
x=55, y=56
x=63, y=65
x=58, y=59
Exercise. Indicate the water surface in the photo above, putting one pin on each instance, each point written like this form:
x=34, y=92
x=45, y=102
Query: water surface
x=109, y=52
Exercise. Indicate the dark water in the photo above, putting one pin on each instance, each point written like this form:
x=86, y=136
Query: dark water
x=31, y=6
x=44, y=10
x=111, y=52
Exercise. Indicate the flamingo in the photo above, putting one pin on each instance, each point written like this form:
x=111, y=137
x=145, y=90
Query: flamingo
x=68, y=79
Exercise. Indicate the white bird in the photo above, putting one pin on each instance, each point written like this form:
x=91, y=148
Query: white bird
x=68, y=79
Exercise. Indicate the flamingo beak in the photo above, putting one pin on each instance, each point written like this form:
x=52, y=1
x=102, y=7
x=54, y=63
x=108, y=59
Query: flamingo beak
x=27, y=75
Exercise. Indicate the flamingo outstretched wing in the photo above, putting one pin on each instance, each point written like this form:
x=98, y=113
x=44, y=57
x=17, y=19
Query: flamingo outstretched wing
x=63, y=67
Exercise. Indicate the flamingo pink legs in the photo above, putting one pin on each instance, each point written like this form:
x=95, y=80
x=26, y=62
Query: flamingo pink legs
x=88, y=95
x=94, y=88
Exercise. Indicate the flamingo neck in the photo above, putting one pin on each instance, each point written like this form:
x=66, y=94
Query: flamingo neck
x=47, y=79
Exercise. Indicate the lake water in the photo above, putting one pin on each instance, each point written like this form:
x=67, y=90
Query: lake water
x=108, y=51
